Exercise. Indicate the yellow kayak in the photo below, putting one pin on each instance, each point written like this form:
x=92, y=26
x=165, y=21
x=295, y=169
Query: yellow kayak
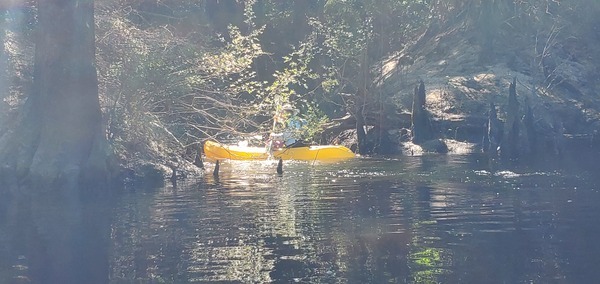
x=217, y=151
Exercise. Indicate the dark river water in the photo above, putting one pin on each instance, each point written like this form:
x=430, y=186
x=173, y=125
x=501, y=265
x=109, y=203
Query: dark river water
x=429, y=219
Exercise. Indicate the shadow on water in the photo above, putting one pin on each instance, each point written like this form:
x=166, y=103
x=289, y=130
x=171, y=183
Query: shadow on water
x=428, y=219
x=59, y=236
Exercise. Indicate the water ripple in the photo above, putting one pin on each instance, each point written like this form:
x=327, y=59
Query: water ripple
x=436, y=219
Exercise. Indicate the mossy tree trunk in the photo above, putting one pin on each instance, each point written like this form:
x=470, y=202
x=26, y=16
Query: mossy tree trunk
x=60, y=138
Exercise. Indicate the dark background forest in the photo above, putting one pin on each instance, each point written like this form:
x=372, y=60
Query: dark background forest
x=173, y=73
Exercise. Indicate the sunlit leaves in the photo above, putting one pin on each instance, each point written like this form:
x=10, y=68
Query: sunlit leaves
x=160, y=84
x=237, y=55
x=315, y=119
x=329, y=84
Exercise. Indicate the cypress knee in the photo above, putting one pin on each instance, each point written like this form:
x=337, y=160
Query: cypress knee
x=421, y=125
x=510, y=145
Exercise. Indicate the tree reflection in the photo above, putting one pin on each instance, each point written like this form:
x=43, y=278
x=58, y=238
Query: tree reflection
x=57, y=236
x=372, y=224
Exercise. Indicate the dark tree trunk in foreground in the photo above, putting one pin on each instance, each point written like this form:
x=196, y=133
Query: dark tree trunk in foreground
x=61, y=235
x=60, y=138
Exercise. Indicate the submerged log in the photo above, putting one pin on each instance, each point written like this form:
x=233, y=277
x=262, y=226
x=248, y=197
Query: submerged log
x=392, y=120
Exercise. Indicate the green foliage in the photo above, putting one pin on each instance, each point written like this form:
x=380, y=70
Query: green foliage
x=163, y=91
x=191, y=86
x=353, y=36
x=315, y=119
x=294, y=77
x=380, y=26
x=176, y=71
x=347, y=29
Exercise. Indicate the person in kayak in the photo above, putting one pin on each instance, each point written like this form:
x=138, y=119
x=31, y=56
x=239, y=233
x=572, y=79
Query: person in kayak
x=290, y=125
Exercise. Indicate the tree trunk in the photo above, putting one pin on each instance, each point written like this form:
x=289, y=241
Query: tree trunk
x=494, y=131
x=361, y=134
x=530, y=133
x=361, y=102
x=60, y=138
x=510, y=145
x=4, y=83
x=421, y=126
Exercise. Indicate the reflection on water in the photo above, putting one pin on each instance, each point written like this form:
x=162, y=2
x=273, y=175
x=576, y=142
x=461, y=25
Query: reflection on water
x=430, y=219
x=54, y=237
